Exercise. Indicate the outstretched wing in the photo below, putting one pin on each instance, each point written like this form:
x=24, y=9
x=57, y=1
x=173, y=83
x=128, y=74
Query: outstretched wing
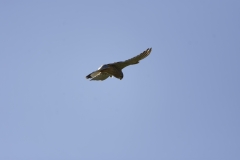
x=134, y=60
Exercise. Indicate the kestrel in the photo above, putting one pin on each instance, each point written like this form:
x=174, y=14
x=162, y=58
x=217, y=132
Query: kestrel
x=115, y=69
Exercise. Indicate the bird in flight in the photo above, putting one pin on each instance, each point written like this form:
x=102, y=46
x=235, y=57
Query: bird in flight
x=115, y=69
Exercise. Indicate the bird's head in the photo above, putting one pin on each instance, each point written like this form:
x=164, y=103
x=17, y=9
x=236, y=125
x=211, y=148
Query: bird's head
x=105, y=66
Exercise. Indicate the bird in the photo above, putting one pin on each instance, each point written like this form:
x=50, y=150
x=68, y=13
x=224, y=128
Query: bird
x=115, y=69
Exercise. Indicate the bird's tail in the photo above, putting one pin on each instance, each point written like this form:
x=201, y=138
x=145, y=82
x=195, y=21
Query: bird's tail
x=93, y=74
x=88, y=76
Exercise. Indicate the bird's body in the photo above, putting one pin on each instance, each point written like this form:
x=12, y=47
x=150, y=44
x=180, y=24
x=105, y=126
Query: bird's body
x=115, y=69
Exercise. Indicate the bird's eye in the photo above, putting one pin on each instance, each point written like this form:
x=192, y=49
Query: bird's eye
x=105, y=66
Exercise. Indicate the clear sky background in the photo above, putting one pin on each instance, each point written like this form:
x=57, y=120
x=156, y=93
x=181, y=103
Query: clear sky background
x=180, y=103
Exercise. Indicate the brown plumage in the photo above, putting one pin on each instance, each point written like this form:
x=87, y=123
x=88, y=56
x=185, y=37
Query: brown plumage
x=115, y=69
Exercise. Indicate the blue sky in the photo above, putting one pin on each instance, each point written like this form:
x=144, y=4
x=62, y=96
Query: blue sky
x=181, y=102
